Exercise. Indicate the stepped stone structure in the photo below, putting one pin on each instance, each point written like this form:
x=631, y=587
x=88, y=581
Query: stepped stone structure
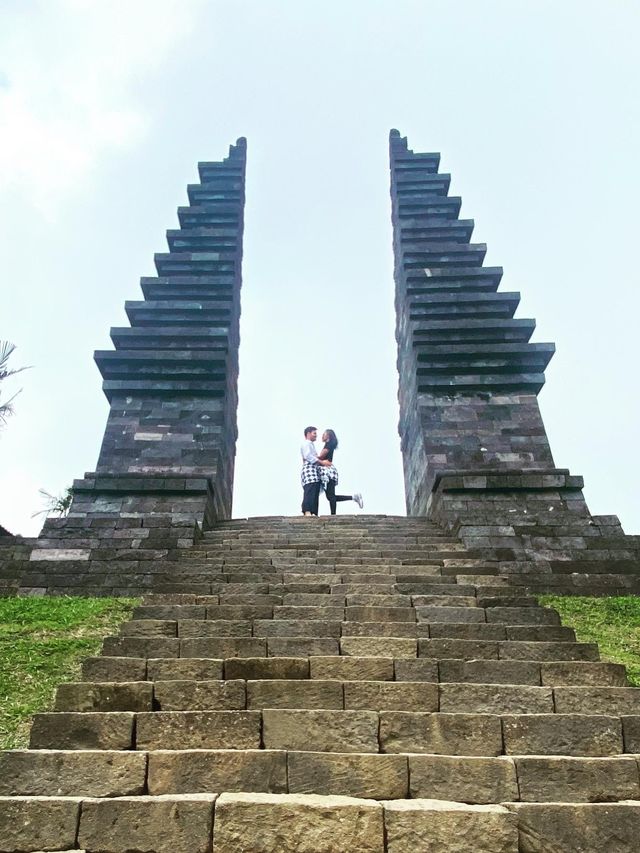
x=165, y=469
x=333, y=685
x=476, y=454
x=358, y=684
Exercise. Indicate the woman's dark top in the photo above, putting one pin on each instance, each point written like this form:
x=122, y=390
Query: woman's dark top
x=329, y=450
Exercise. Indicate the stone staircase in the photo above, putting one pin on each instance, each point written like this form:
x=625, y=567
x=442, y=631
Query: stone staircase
x=323, y=685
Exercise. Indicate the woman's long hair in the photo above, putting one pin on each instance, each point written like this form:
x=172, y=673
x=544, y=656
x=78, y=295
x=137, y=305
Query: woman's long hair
x=332, y=442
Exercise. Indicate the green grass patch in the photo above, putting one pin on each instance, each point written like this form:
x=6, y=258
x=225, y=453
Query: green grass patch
x=42, y=642
x=613, y=623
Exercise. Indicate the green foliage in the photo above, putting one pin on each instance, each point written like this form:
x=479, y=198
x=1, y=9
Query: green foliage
x=6, y=406
x=42, y=642
x=56, y=504
x=613, y=623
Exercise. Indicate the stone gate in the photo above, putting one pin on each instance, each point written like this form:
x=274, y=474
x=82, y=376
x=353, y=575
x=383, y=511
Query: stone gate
x=292, y=685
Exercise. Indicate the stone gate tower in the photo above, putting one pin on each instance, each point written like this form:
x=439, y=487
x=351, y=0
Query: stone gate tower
x=165, y=469
x=475, y=451
x=172, y=379
x=469, y=375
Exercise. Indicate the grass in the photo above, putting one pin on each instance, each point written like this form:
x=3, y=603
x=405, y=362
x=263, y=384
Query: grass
x=42, y=642
x=613, y=623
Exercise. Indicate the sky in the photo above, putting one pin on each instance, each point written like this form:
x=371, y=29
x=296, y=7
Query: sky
x=107, y=106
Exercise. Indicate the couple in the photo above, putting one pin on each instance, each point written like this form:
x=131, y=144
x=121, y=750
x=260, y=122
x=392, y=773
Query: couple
x=318, y=470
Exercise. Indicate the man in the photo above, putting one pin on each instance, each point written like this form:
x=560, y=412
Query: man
x=310, y=476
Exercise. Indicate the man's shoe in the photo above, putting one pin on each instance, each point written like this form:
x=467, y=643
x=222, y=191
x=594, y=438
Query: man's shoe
x=358, y=499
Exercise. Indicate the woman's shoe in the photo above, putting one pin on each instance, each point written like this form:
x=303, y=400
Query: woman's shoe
x=358, y=499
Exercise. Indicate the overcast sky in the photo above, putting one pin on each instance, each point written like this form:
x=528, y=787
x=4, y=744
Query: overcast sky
x=106, y=108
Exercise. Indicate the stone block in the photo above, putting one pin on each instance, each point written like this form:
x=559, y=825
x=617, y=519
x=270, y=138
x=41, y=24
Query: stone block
x=597, y=700
x=451, y=600
x=254, y=600
x=523, y=615
x=164, y=824
x=256, y=669
x=450, y=614
x=378, y=599
x=496, y=699
x=562, y=734
x=295, y=647
x=82, y=731
x=114, y=669
x=38, y=823
x=546, y=827
x=380, y=614
x=351, y=774
x=631, y=730
x=222, y=647
x=352, y=668
x=313, y=599
x=577, y=780
x=463, y=778
x=65, y=773
x=194, y=770
x=191, y=628
x=141, y=647
x=312, y=612
x=490, y=672
x=460, y=649
x=107, y=696
x=583, y=673
x=432, y=826
x=170, y=611
x=440, y=734
x=200, y=695
x=320, y=731
x=197, y=669
x=239, y=612
x=298, y=693
x=392, y=647
x=295, y=628
x=384, y=629
x=466, y=631
x=390, y=696
x=544, y=633
x=415, y=669
x=515, y=650
x=148, y=628
x=305, y=823
x=198, y=730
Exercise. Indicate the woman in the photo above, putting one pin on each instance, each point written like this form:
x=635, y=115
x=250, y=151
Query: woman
x=329, y=474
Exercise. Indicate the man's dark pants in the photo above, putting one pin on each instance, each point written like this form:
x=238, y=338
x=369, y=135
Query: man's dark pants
x=310, y=498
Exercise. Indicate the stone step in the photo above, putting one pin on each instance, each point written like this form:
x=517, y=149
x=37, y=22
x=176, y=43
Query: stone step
x=318, y=626
x=282, y=620
x=506, y=650
x=444, y=733
x=474, y=780
x=367, y=646
x=534, y=673
x=240, y=694
x=434, y=585
x=195, y=823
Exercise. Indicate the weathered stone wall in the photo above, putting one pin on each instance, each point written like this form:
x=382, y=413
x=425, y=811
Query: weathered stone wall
x=475, y=451
x=166, y=465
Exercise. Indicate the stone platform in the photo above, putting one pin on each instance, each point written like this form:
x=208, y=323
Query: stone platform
x=326, y=685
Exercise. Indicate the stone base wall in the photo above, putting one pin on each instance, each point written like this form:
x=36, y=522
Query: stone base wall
x=121, y=531
x=537, y=524
x=493, y=432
